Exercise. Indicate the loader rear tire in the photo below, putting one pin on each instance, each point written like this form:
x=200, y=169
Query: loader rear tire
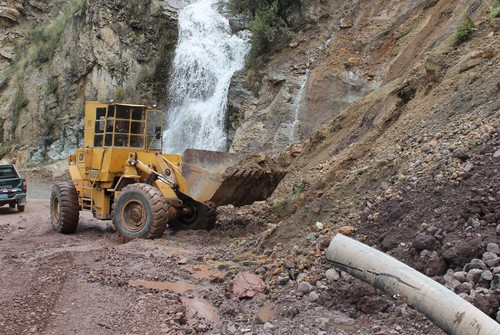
x=64, y=208
x=200, y=217
x=140, y=211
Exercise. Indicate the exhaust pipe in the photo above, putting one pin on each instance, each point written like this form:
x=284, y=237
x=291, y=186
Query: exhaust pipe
x=444, y=308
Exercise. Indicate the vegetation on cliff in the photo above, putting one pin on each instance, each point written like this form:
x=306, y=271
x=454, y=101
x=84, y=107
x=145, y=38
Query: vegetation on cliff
x=269, y=21
x=464, y=30
x=494, y=10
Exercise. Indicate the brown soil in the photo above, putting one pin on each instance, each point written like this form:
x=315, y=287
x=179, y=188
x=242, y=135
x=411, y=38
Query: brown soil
x=412, y=168
x=91, y=283
x=253, y=178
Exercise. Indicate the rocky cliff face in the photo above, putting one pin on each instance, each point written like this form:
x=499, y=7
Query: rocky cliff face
x=344, y=51
x=56, y=55
x=379, y=77
x=388, y=127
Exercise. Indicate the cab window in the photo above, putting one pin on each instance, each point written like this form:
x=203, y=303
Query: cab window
x=99, y=126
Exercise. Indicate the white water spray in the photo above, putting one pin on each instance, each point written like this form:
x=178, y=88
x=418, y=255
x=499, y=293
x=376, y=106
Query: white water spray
x=206, y=57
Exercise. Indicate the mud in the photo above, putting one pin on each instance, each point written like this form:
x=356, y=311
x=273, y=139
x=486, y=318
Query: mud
x=253, y=178
x=90, y=283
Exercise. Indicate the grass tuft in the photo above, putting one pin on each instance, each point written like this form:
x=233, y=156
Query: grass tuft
x=494, y=10
x=119, y=94
x=464, y=30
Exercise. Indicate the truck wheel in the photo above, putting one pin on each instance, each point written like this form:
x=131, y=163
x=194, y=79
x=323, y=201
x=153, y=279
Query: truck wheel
x=20, y=208
x=196, y=216
x=64, y=208
x=140, y=211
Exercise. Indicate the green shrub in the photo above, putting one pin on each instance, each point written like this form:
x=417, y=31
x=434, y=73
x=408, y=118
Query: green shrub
x=250, y=8
x=299, y=187
x=44, y=41
x=246, y=7
x=266, y=27
x=50, y=35
x=494, y=10
x=464, y=30
x=284, y=205
x=20, y=101
x=269, y=20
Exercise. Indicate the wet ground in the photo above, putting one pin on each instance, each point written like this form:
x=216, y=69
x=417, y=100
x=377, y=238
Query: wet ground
x=90, y=283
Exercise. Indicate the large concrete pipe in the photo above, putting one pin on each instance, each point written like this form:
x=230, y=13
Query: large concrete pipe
x=443, y=307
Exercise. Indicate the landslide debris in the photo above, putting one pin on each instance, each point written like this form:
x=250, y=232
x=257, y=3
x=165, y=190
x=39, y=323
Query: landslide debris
x=411, y=167
x=253, y=178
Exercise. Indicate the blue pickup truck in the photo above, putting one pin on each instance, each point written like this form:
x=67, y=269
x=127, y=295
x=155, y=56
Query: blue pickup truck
x=12, y=188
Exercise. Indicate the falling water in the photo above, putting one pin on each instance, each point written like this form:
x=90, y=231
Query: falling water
x=297, y=107
x=206, y=57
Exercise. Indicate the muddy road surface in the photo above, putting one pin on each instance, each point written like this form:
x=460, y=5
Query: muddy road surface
x=91, y=283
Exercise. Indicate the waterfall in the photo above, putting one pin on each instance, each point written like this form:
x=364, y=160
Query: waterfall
x=206, y=57
x=294, y=131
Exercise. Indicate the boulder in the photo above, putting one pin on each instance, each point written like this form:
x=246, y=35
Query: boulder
x=247, y=285
x=425, y=242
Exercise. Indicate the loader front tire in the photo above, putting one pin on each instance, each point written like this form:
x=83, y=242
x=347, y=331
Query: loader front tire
x=140, y=211
x=197, y=216
x=64, y=208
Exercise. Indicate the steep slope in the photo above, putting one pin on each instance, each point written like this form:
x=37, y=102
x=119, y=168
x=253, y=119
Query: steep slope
x=344, y=51
x=403, y=153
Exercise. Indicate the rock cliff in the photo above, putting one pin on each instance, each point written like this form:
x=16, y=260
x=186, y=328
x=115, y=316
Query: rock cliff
x=342, y=52
x=56, y=55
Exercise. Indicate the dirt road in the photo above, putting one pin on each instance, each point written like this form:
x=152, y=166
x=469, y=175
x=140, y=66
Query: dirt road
x=90, y=283
x=84, y=283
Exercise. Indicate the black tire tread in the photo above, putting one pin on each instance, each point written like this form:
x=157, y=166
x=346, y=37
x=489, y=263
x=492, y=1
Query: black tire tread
x=159, y=209
x=207, y=217
x=69, y=208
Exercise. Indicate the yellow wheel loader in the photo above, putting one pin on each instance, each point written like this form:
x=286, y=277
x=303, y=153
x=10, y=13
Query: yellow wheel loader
x=122, y=175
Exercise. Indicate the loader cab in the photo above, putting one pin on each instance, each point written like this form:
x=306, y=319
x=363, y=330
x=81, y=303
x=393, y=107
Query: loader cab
x=123, y=125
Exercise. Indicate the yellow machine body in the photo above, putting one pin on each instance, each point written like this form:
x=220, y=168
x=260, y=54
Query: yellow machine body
x=108, y=161
x=123, y=146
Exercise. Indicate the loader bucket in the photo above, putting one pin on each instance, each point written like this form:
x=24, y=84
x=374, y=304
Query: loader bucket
x=224, y=178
